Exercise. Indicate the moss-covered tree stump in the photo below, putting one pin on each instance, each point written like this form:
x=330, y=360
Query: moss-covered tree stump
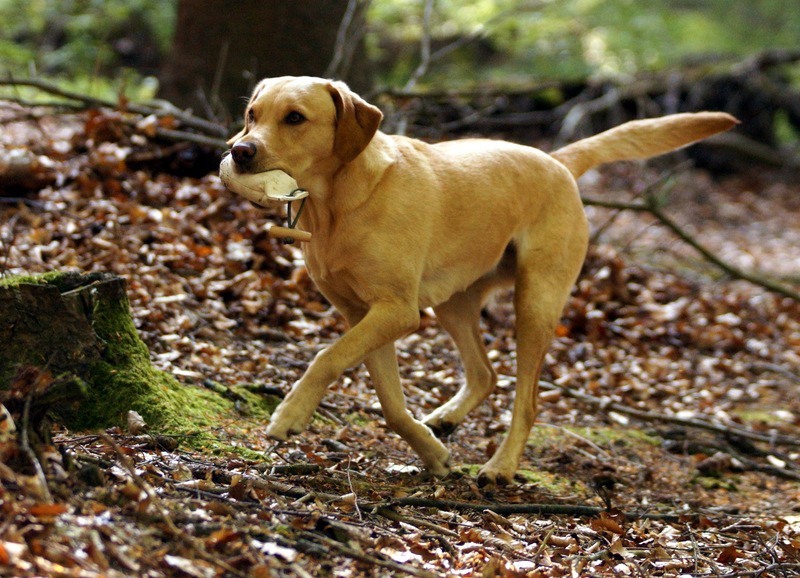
x=67, y=341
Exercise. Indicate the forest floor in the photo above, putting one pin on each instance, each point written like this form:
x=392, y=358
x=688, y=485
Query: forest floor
x=667, y=438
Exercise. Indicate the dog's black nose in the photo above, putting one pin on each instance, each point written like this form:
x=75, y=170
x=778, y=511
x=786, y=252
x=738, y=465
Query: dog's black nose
x=243, y=152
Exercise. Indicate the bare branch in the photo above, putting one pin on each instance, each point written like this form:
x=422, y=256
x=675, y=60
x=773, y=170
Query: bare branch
x=161, y=109
x=652, y=417
x=424, y=48
x=507, y=509
x=347, y=38
x=651, y=206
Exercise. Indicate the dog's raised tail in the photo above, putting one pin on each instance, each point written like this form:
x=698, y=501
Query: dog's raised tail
x=642, y=139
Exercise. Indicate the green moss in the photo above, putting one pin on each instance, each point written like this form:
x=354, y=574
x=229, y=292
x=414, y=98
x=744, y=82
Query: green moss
x=550, y=482
x=618, y=435
x=63, y=280
x=712, y=483
x=547, y=481
x=359, y=418
x=756, y=415
x=124, y=379
x=258, y=405
x=470, y=470
x=116, y=376
x=543, y=437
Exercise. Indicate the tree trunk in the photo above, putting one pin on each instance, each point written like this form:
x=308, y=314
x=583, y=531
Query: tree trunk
x=221, y=49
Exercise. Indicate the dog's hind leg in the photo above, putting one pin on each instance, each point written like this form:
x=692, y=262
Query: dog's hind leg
x=534, y=332
x=460, y=317
x=548, y=264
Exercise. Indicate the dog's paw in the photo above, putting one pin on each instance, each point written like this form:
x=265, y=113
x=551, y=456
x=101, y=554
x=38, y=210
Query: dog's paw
x=441, y=423
x=435, y=456
x=495, y=473
x=287, y=420
x=441, y=429
x=440, y=468
x=278, y=432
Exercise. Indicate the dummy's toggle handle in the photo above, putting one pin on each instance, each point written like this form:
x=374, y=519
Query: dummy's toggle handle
x=277, y=232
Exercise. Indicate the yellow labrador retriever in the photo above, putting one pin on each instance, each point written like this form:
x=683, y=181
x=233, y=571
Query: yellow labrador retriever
x=400, y=225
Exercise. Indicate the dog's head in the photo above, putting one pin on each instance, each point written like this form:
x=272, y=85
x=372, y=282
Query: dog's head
x=302, y=124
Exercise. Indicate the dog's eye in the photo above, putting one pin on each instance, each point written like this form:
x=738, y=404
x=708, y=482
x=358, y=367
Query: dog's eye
x=251, y=116
x=294, y=117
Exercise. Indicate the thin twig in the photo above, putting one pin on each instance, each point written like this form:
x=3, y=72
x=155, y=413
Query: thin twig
x=353, y=491
x=165, y=110
x=775, y=368
x=31, y=455
x=664, y=184
x=395, y=516
x=370, y=559
x=216, y=82
x=345, y=36
x=573, y=119
x=424, y=48
x=482, y=31
x=172, y=529
x=664, y=219
x=181, y=136
x=577, y=436
x=777, y=569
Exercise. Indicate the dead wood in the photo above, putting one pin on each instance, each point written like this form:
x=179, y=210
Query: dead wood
x=650, y=205
x=69, y=344
x=535, y=509
x=727, y=430
x=21, y=171
x=46, y=325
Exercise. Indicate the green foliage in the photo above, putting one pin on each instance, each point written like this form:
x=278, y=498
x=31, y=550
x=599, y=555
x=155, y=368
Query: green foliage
x=548, y=39
x=79, y=38
x=513, y=41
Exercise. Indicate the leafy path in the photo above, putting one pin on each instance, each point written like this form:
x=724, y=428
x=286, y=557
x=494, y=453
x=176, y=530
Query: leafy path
x=220, y=304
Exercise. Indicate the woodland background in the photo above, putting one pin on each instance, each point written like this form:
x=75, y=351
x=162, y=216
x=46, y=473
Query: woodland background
x=667, y=442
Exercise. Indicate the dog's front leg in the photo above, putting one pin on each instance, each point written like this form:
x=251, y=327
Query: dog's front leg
x=382, y=366
x=383, y=324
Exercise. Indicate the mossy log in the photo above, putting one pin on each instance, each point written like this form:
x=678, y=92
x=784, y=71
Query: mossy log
x=68, y=341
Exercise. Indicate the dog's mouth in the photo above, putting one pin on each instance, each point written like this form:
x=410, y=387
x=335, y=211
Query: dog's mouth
x=272, y=185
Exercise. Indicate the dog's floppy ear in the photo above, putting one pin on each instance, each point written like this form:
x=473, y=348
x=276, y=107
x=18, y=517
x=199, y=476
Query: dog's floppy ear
x=356, y=122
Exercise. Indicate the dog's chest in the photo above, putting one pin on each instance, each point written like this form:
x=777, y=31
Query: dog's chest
x=328, y=265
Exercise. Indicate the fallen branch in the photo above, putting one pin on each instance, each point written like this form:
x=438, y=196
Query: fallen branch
x=368, y=558
x=651, y=206
x=420, y=523
x=508, y=509
x=776, y=569
x=605, y=404
x=163, y=109
x=775, y=368
x=755, y=150
x=183, y=136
